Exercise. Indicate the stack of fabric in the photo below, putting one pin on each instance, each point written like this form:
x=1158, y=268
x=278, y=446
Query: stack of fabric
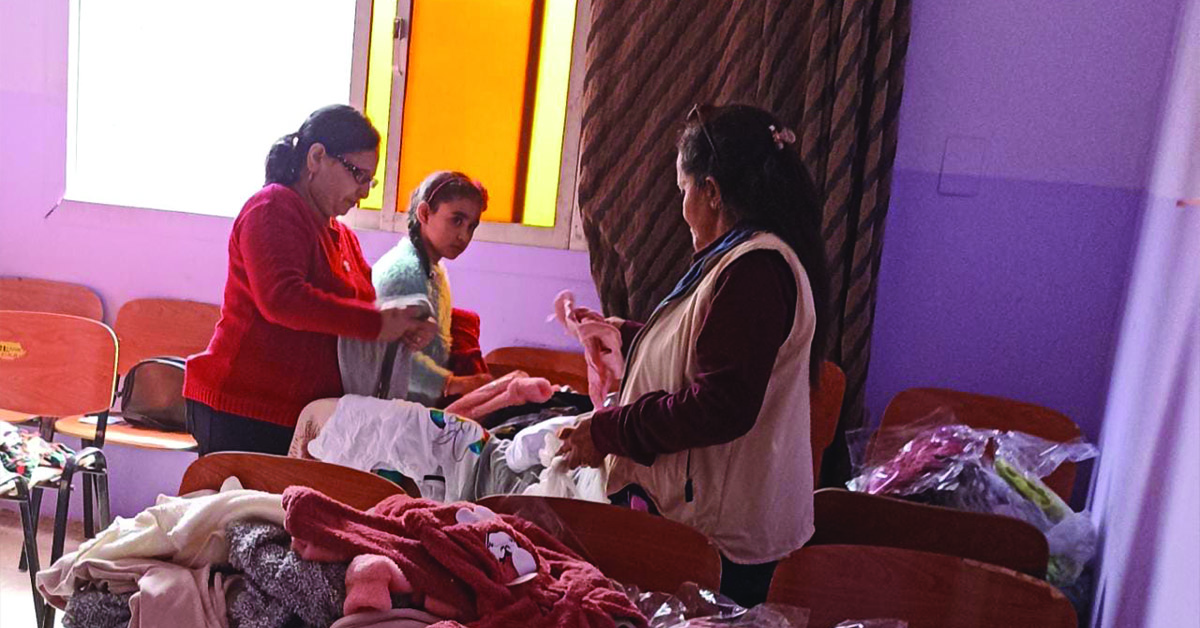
x=28, y=455
x=247, y=559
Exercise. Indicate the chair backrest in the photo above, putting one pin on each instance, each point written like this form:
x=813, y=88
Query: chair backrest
x=840, y=582
x=272, y=474
x=826, y=404
x=55, y=365
x=631, y=547
x=151, y=328
x=560, y=367
x=985, y=412
x=43, y=295
x=846, y=518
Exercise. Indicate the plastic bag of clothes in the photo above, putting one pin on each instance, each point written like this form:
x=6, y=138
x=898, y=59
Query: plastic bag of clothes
x=943, y=463
x=695, y=607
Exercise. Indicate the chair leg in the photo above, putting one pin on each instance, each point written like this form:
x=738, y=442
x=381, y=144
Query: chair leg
x=105, y=516
x=35, y=499
x=89, y=522
x=61, y=512
x=29, y=529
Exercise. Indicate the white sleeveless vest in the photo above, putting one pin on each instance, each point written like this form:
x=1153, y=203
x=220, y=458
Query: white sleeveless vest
x=752, y=496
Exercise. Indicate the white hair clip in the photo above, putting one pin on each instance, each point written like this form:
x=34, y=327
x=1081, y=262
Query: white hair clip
x=782, y=136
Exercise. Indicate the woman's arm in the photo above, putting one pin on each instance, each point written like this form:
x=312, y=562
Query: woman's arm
x=749, y=320
x=278, y=253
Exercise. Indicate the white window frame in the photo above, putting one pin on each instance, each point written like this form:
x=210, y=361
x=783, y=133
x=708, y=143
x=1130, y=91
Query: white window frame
x=566, y=218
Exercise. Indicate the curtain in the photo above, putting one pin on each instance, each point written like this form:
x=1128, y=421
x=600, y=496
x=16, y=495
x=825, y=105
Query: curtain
x=1146, y=496
x=830, y=69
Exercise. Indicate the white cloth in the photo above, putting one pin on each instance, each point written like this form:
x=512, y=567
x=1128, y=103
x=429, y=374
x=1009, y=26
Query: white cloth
x=186, y=531
x=527, y=445
x=556, y=480
x=368, y=434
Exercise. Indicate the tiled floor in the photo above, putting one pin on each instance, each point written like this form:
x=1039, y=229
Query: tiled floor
x=16, y=601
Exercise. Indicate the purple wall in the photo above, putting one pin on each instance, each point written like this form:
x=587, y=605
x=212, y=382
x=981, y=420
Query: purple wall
x=1016, y=289
x=125, y=253
x=1013, y=291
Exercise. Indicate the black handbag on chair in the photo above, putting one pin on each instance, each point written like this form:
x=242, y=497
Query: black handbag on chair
x=152, y=395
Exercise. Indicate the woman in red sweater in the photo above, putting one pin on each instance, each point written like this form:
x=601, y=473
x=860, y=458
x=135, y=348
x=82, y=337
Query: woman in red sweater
x=297, y=280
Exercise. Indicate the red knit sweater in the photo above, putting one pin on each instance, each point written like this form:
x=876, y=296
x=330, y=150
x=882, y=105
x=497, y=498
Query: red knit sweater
x=296, y=282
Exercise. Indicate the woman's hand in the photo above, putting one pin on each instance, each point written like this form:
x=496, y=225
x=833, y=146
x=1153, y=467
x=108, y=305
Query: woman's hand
x=410, y=325
x=582, y=314
x=462, y=384
x=578, y=446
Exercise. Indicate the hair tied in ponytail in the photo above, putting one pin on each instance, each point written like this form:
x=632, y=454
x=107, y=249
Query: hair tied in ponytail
x=782, y=136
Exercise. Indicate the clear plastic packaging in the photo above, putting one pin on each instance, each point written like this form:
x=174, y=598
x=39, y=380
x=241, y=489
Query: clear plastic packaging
x=938, y=461
x=694, y=607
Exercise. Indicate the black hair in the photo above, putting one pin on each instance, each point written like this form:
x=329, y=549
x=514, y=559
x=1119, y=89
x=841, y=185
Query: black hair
x=751, y=156
x=341, y=129
x=440, y=187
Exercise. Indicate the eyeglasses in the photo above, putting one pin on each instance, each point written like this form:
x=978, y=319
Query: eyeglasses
x=697, y=114
x=362, y=177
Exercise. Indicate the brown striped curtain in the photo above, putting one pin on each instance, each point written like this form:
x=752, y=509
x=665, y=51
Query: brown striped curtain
x=832, y=69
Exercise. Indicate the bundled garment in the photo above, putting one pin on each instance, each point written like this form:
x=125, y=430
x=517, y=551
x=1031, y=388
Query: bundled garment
x=601, y=342
x=374, y=368
x=369, y=434
x=164, y=553
x=26, y=454
x=514, y=389
x=158, y=593
x=280, y=586
x=96, y=608
x=462, y=561
x=394, y=618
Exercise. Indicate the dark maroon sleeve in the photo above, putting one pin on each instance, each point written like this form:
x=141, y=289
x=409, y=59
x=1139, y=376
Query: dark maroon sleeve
x=750, y=318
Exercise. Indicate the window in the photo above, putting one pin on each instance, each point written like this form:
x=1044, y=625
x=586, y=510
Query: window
x=167, y=116
x=181, y=118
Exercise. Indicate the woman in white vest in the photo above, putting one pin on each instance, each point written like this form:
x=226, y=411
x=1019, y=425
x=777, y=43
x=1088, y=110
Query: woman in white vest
x=712, y=426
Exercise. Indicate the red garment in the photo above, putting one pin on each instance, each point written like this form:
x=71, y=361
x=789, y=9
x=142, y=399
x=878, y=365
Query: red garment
x=448, y=553
x=296, y=282
x=466, y=356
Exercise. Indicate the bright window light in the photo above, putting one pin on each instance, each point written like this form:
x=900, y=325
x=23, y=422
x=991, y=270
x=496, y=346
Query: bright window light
x=174, y=105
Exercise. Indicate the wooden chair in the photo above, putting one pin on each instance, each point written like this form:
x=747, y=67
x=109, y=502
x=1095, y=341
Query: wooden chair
x=146, y=328
x=631, y=547
x=54, y=365
x=43, y=295
x=272, y=474
x=846, y=518
x=826, y=403
x=840, y=582
x=150, y=328
x=985, y=412
x=560, y=367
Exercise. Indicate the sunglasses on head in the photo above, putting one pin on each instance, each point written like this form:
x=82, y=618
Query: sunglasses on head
x=697, y=114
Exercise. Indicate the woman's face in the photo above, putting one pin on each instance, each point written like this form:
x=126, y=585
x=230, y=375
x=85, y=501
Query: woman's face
x=448, y=228
x=700, y=211
x=340, y=182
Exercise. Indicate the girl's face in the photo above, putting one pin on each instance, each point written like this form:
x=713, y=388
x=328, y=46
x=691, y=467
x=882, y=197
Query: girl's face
x=447, y=229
